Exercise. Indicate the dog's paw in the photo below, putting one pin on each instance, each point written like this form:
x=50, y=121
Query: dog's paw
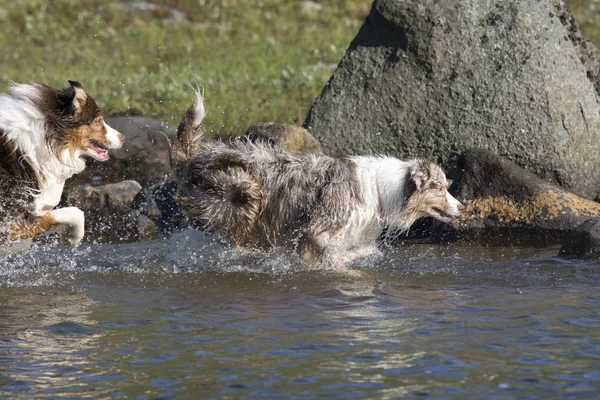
x=74, y=240
x=76, y=231
x=74, y=219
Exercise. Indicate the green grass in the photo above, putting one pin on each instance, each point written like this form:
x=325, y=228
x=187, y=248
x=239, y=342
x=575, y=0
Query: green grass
x=257, y=60
x=587, y=15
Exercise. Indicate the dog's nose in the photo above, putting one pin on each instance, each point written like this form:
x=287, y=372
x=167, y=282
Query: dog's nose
x=460, y=207
x=121, y=138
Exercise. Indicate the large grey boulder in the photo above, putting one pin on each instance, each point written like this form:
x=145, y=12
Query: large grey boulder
x=427, y=78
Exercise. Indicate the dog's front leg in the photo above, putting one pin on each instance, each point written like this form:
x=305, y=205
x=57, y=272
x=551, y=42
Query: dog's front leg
x=74, y=219
x=322, y=251
x=30, y=227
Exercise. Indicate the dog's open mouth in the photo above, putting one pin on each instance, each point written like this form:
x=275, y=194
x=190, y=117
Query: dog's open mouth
x=100, y=150
x=442, y=215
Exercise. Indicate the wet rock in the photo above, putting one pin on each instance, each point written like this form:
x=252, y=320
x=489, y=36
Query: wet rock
x=430, y=78
x=144, y=156
x=582, y=242
x=158, y=205
x=108, y=213
x=503, y=202
x=289, y=137
x=113, y=195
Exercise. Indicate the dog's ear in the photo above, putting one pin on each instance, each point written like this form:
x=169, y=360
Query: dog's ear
x=80, y=96
x=420, y=174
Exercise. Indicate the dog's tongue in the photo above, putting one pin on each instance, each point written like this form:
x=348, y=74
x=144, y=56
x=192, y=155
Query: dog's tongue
x=102, y=153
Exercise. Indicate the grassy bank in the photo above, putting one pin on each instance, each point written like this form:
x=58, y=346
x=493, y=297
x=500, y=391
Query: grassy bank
x=258, y=60
x=587, y=15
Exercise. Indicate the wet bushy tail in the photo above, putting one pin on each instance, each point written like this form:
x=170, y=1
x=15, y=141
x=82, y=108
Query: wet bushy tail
x=228, y=199
x=189, y=135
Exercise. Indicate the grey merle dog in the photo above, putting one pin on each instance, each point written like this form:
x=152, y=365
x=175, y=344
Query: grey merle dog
x=329, y=209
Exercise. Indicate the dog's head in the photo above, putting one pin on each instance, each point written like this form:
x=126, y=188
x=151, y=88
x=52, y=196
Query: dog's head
x=428, y=193
x=75, y=122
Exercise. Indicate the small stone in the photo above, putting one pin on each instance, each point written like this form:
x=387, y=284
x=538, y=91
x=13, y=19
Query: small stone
x=291, y=138
x=310, y=7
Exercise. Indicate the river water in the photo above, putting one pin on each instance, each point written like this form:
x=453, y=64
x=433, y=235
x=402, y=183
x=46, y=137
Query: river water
x=188, y=317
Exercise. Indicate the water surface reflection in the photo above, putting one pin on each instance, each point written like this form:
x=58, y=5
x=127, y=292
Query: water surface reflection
x=191, y=318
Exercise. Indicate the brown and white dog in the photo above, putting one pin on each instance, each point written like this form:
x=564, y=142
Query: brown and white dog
x=331, y=209
x=44, y=135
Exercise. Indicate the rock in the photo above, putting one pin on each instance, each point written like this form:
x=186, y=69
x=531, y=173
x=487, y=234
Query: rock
x=113, y=195
x=144, y=156
x=501, y=197
x=145, y=10
x=310, y=7
x=109, y=217
x=430, y=78
x=157, y=204
x=582, y=242
x=289, y=137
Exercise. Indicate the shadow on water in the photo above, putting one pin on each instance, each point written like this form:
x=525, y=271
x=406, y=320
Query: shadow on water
x=191, y=317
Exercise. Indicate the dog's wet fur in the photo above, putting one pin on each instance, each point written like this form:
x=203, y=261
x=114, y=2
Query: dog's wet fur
x=330, y=209
x=44, y=135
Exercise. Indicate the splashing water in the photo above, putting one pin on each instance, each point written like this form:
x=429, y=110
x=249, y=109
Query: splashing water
x=189, y=316
x=198, y=252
